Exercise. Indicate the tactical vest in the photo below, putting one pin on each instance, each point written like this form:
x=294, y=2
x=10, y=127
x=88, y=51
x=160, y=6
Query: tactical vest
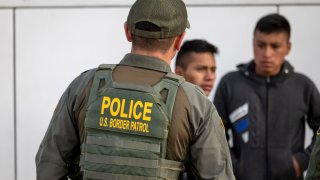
x=126, y=129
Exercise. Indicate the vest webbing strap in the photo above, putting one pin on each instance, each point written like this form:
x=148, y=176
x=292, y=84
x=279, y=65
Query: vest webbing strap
x=169, y=164
x=169, y=169
x=121, y=161
x=102, y=176
x=121, y=143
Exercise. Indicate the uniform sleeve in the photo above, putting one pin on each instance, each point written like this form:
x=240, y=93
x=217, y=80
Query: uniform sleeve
x=61, y=144
x=56, y=148
x=209, y=152
x=313, y=120
x=313, y=171
x=210, y=155
x=220, y=101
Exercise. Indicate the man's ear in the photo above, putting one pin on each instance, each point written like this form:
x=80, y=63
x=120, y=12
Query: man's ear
x=179, y=70
x=179, y=40
x=127, y=32
x=289, y=47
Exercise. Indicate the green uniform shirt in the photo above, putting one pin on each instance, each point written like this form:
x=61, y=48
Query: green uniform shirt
x=196, y=134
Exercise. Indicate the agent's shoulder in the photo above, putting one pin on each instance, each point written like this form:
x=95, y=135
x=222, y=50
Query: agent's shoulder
x=192, y=89
x=83, y=79
x=195, y=95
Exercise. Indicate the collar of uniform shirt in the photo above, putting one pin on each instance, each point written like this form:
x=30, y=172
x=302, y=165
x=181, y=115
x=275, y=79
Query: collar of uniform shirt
x=146, y=62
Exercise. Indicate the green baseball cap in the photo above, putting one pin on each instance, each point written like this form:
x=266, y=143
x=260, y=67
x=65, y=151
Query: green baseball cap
x=169, y=15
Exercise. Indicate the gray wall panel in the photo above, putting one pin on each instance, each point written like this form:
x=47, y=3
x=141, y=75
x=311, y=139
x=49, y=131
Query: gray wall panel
x=6, y=95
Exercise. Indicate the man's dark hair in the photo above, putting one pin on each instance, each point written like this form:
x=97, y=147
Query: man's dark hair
x=273, y=23
x=196, y=45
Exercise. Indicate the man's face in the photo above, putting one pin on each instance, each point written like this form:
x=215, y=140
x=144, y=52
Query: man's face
x=270, y=51
x=200, y=71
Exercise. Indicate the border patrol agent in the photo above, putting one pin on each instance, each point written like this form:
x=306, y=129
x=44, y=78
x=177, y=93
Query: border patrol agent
x=137, y=120
x=313, y=172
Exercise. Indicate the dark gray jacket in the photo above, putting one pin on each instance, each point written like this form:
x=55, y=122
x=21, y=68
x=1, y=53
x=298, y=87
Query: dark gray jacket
x=267, y=118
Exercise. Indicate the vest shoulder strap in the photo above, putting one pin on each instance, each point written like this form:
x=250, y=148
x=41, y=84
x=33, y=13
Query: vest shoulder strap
x=102, y=78
x=169, y=84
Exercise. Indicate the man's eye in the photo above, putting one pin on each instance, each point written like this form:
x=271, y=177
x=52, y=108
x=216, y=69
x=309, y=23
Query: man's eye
x=200, y=68
x=275, y=46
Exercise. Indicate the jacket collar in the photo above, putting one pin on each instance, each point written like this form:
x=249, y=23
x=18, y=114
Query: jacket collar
x=248, y=69
x=146, y=62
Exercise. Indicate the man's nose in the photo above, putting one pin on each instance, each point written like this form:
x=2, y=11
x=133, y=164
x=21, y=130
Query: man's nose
x=210, y=75
x=268, y=51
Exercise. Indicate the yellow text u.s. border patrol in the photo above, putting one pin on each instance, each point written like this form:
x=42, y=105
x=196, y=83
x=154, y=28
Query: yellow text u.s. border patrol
x=131, y=115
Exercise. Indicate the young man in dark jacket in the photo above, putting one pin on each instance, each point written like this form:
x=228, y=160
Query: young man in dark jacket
x=265, y=104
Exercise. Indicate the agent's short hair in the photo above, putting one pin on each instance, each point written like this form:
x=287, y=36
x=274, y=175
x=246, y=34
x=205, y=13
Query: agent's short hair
x=150, y=44
x=273, y=23
x=196, y=45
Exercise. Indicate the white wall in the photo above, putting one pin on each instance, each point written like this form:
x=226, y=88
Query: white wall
x=85, y=3
x=305, y=52
x=6, y=95
x=54, y=45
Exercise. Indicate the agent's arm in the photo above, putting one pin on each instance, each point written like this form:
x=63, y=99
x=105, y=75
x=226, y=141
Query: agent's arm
x=314, y=163
x=313, y=120
x=61, y=143
x=220, y=101
x=209, y=151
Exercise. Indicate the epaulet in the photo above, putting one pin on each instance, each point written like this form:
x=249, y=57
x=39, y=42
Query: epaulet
x=174, y=77
x=106, y=66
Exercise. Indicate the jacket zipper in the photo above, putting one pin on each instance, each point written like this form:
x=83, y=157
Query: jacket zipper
x=266, y=126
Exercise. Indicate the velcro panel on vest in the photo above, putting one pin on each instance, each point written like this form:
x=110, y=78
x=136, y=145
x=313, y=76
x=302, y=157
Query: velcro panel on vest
x=169, y=169
x=126, y=111
x=103, y=176
x=169, y=172
x=115, y=141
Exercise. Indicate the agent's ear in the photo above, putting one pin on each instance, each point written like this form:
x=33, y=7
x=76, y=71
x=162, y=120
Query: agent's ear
x=179, y=40
x=127, y=32
x=179, y=71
